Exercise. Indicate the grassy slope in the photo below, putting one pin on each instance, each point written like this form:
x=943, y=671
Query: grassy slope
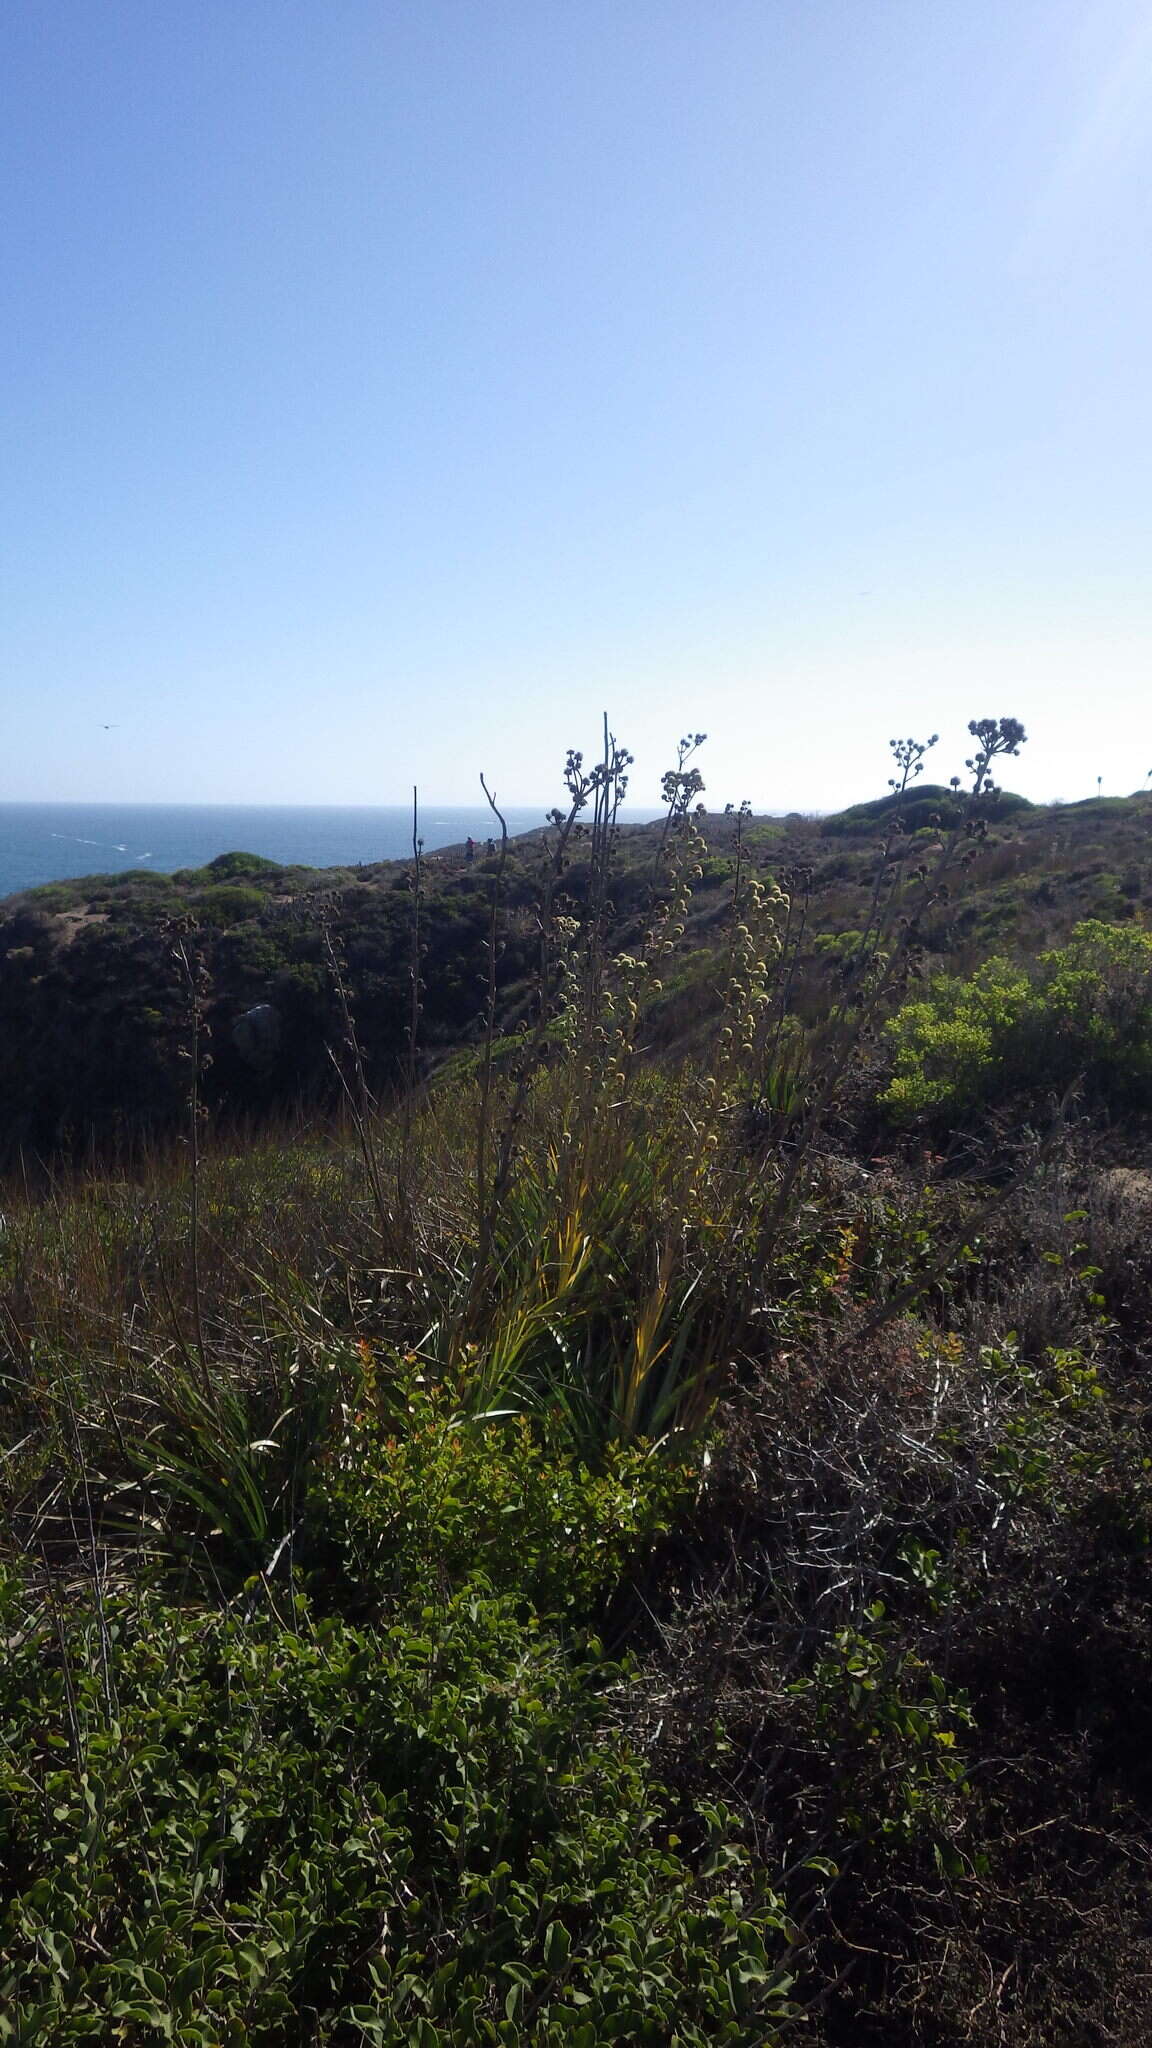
x=304, y=1733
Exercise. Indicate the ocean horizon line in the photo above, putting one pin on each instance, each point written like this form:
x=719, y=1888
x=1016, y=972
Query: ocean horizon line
x=62, y=841
x=100, y=803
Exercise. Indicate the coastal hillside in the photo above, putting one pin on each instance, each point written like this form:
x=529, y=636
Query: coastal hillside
x=576, y=1379
x=96, y=975
x=575, y=1445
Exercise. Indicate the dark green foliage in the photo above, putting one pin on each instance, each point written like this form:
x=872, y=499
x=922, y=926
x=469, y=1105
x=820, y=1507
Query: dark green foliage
x=227, y=866
x=93, y=1011
x=227, y=903
x=68, y=1082
x=52, y=897
x=230, y=867
x=926, y=806
x=256, y=1827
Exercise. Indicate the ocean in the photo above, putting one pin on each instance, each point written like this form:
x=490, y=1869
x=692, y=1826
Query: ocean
x=54, y=842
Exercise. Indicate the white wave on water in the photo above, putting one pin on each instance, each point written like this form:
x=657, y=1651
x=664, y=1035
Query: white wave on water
x=36, y=846
x=110, y=845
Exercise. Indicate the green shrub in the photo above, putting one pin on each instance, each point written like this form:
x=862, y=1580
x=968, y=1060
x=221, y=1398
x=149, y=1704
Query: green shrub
x=948, y=1044
x=227, y=866
x=389, y=1505
x=425, y=1498
x=1082, y=1018
x=837, y=945
x=229, y=903
x=54, y=897
x=715, y=870
x=252, y=1827
x=927, y=806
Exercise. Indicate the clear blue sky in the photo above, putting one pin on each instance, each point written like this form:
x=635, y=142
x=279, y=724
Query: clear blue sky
x=388, y=386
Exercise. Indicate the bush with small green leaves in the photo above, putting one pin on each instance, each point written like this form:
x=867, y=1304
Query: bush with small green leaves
x=227, y=866
x=890, y=1725
x=1082, y=1018
x=417, y=1496
x=253, y=1827
x=228, y=903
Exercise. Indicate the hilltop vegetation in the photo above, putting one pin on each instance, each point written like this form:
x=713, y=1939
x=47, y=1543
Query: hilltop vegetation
x=637, y=1530
x=94, y=999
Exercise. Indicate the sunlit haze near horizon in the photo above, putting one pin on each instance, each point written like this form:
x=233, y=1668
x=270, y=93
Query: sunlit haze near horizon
x=389, y=390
